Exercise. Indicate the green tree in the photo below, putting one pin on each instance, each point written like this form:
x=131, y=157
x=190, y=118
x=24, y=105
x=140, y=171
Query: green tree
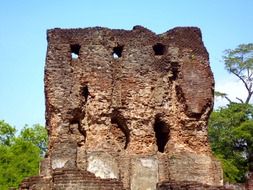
x=37, y=135
x=7, y=133
x=20, y=155
x=239, y=62
x=231, y=137
x=18, y=161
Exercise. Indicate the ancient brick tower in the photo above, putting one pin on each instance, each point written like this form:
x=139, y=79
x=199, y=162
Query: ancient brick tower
x=126, y=110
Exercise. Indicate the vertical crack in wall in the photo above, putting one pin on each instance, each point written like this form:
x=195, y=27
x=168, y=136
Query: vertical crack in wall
x=116, y=116
x=174, y=68
x=116, y=81
x=85, y=92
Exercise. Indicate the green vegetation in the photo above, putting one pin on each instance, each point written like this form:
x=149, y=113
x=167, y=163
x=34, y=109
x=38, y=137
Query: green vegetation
x=20, y=154
x=231, y=127
x=231, y=137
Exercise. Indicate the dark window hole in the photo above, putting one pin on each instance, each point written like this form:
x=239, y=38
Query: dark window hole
x=75, y=50
x=161, y=133
x=117, y=52
x=159, y=49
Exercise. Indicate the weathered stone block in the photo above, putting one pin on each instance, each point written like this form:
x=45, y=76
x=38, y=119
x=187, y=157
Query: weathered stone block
x=194, y=167
x=103, y=165
x=144, y=173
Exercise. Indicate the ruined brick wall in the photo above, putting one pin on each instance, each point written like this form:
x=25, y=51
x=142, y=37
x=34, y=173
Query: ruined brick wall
x=130, y=106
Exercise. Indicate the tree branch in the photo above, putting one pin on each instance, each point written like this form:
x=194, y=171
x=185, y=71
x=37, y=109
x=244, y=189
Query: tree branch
x=248, y=73
x=244, y=82
x=248, y=98
x=250, y=76
x=240, y=100
x=228, y=99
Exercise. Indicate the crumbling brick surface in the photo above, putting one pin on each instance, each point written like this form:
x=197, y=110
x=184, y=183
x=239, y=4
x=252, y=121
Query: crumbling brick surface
x=129, y=105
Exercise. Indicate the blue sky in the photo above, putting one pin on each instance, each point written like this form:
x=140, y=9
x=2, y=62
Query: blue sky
x=224, y=24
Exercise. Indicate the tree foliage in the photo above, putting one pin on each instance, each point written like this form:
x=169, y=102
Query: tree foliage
x=37, y=135
x=20, y=154
x=239, y=62
x=231, y=137
x=7, y=133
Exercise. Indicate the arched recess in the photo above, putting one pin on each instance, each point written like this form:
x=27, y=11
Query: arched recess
x=118, y=119
x=75, y=126
x=162, y=132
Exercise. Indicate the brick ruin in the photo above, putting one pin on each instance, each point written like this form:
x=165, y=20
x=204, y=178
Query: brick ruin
x=127, y=110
